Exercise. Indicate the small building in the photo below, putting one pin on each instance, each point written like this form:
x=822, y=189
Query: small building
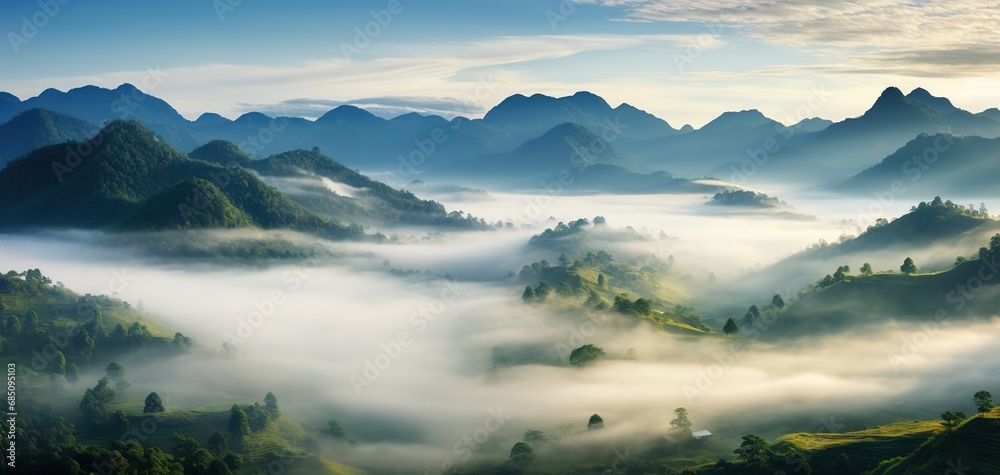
x=700, y=434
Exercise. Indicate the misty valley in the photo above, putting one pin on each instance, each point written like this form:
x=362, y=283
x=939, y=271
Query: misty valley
x=558, y=287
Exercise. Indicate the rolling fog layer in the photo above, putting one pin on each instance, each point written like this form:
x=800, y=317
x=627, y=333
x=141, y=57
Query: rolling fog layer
x=404, y=363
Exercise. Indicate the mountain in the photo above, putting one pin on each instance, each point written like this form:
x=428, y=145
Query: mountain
x=973, y=446
x=571, y=158
x=523, y=118
x=331, y=189
x=133, y=180
x=99, y=105
x=942, y=105
x=843, y=148
x=813, y=124
x=884, y=245
x=37, y=127
x=726, y=139
x=939, y=163
x=565, y=146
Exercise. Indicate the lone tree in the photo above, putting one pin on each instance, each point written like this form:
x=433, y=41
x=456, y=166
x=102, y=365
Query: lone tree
x=601, y=283
x=60, y=361
x=866, y=269
x=153, y=404
x=271, y=405
x=983, y=401
x=681, y=425
x=731, y=327
x=952, y=419
x=522, y=453
x=754, y=452
x=116, y=372
x=595, y=423
x=585, y=354
x=908, y=266
x=333, y=429
x=778, y=302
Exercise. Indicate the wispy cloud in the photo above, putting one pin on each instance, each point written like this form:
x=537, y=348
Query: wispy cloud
x=904, y=34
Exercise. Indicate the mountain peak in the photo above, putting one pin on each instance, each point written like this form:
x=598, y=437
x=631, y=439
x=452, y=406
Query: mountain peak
x=211, y=118
x=6, y=97
x=748, y=118
x=347, y=113
x=940, y=104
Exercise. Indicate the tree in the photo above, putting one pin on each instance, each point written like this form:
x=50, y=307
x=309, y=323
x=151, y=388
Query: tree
x=181, y=341
x=72, y=373
x=601, y=283
x=641, y=307
x=631, y=355
x=528, y=295
x=119, y=422
x=681, y=425
x=866, y=269
x=843, y=465
x=239, y=423
x=333, y=429
x=952, y=419
x=535, y=437
x=778, y=302
x=153, y=404
x=752, y=315
x=271, y=405
x=731, y=327
x=522, y=453
x=841, y=274
x=983, y=401
x=755, y=452
x=13, y=326
x=60, y=361
x=585, y=354
x=116, y=372
x=595, y=423
x=908, y=266
x=31, y=321
x=218, y=443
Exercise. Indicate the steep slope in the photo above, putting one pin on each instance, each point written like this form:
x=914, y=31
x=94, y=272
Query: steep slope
x=38, y=127
x=332, y=189
x=127, y=166
x=940, y=163
x=917, y=234
x=523, y=118
x=845, y=147
x=971, y=448
x=565, y=146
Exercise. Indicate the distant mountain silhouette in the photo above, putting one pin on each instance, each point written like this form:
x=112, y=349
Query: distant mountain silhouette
x=854, y=144
x=34, y=128
x=939, y=163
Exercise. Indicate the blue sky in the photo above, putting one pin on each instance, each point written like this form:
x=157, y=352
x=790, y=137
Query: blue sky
x=683, y=60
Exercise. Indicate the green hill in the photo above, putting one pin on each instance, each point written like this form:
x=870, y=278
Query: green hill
x=965, y=291
x=39, y=127
x=124, y=166
x=865, y=448
x=973, y=447
x=368, y=202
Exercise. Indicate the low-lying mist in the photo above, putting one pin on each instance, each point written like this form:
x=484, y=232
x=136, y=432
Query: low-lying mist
x=406, y=363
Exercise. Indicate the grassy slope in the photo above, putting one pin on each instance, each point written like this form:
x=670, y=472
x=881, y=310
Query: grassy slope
x=865, y=448
x=860, y=301
x=974, y=447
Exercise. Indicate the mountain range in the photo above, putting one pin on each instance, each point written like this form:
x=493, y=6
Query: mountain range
x=525, y=140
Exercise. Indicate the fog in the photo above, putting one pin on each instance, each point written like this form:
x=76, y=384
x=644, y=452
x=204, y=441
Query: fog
x=405, y=363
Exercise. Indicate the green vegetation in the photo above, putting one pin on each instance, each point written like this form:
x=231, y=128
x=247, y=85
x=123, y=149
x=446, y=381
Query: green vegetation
x=585, y=354
x=746, y=198
x=130, y=180
x=597, y=278
x=595, y=422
